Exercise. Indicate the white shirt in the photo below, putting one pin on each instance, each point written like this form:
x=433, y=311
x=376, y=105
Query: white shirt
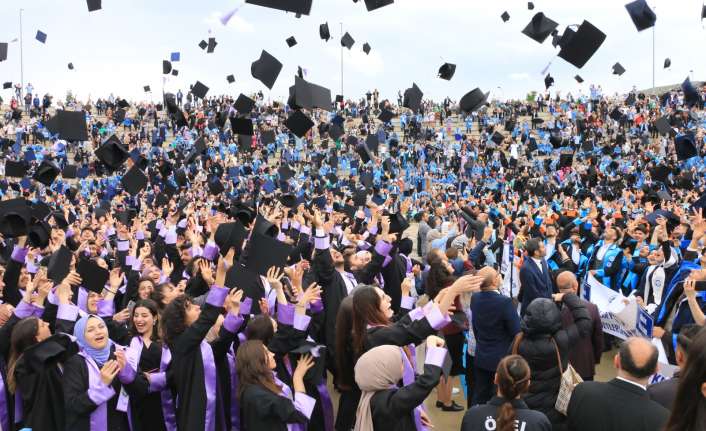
x=632, y=383
x=600, y=254
x=576, y=255
x=539, y=264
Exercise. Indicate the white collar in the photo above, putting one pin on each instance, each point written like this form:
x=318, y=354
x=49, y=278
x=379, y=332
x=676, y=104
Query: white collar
x=632, y=383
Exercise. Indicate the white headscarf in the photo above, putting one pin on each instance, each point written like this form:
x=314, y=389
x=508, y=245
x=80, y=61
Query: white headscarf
x=378, y=369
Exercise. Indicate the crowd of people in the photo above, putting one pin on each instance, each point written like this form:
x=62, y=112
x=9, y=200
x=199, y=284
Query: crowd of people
x=164, y=270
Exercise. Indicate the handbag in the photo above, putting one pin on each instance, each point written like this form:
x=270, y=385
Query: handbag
x=569, y=379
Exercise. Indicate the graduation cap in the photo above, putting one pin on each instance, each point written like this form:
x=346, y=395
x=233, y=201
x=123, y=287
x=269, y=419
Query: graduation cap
x=299, y=7
x=175, y=72
x=663, y=126
x=372, y=142
x=266, y=69
x=473, y=100
x=59, y=265
x=298, y=123
x=291, y=41
x=267, y=136
x=667, y=62
x=548, y=80
x=71, y=66
x=413, y=98
x=69, y=125
x=324, y=32
x=371, y=5
x=15, y=169
x=364, y=152
x=565, y=160
x=265, y=252
x=6, y=85
x=497, y=137
x=199, y=90
x=243, y=104
x=14, y=217
x=285, y=172
x=93, y=5
x=211, y=46
x=112, y=152
x=616, y=114
x=309, y=96
x=618, y=69
x=93, y=277
x=166, y=67
x=660, y=173
x=347, y=41
x=582, y=45
x=215, y=187
x=691, y=95
x=46, y=173
x=41, y=36
x=642, y=16
x=242, y=126
x=686, y=146
x=539, y=28
x=134, y=180
x=578, y=79
x=505, y=16
x=230, y=235
x=699, y=203
x=175, y=56
x=446, y=71
x=119, y=116
x=230, y=79
x=530, y=6
x=386, y=115
x=203, y=44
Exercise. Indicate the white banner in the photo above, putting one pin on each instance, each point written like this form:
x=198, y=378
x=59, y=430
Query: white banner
x=619, y=319
x=510, y=273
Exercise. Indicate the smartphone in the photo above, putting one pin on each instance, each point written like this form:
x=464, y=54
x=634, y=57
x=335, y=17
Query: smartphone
x=130, y=307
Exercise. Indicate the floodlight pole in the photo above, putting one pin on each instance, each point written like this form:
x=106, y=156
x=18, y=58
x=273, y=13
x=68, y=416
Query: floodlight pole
x=341, y=59
x=22, y=66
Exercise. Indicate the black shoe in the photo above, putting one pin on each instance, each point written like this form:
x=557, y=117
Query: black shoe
x=452, y=408
x=439, y=404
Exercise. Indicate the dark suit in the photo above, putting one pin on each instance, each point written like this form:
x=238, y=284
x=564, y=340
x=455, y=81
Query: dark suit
x=586, y=353
x=614, y=406
x=664, y=392
x=534, y=283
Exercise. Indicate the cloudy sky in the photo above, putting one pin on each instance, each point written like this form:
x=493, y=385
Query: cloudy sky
x=120, y=48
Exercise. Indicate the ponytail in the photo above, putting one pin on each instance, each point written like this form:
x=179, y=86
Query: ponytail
x=513, y=375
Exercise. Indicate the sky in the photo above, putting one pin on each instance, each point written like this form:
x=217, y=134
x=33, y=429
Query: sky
x=120, y=48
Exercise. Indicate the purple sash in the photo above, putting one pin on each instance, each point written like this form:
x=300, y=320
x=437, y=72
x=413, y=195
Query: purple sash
x=209, y=374
x=408, y=377
x=4, y=415
x=166, y=394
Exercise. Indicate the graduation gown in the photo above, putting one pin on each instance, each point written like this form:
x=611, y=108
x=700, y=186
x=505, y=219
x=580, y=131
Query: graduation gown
x=263, y=410
x=146, y=407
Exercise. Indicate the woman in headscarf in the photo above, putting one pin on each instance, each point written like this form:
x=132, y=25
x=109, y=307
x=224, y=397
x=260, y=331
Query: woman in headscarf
x=384, y=405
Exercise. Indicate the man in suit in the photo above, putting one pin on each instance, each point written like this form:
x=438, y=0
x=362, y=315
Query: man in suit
x=586, y=353
x=535, y=278
x=622, y=403
x=495, y=324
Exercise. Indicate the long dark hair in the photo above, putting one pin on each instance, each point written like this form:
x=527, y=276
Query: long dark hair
x=366, y=311
x=174, y=319
x=513, y=374
x=690, y=404
x=260, y=328
x=24, y=336
x=344, y=377
x=438, y=278
x=151, y=306
x=251, y=366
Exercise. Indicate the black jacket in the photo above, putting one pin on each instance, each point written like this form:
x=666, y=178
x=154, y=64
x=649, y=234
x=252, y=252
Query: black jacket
x=477, y=418
x=614, y=406
x=664, y=392
x=263, y=410
x=541, y=323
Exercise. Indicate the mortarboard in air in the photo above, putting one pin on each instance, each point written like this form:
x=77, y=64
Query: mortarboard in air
x=266, y=69
x=285, y=172
x=69, y=172
x=298, y=123
x=364, y=152
x=324, y=32
x=175, y=56
x=691, y=95
x=241, y=126
x=3, y=51
x=413, y=98
x=703, y=11
x=288, y=200
x=215, y=187
x=59, y=265
x=93, y=277
x=134, y=180
x=291, y=41
x=616, y=114
x=347, y=41
x=265, y=252
x=41, y=36
x=566, y=160
x=371, y=5
x=618, y=69
x=299, y=7
x=230, y=235
x=14, y=217
x=473, y=100
x=166, y=67
x=203, y=44
x=497, y=137
x=38, y=233
x=530, y=6
x=93, y=5
x=505, y=16
x=386, y=115
x=309, y=96
x=69, y=125
x=230, y=79
x=398, y=223
x=578, y=79
x=663, y=126
x=46, y=173
x=582, y=45
x=642, y=16
x=71, y=66
x=119, y=116
x=6, y=85
x=372, y=142
x=147, y=88
x=211, y=45
x=112, y=152
x=539, y=28
x=548, y=81
x=667, y=62
x=335, y=131
x=267, y=136
x=15, y=169
x=175, y=72
x=660, y=173
x=366, y=48
x=447, y=71
x=685, y=146
x=199, y=90
x=243, y=104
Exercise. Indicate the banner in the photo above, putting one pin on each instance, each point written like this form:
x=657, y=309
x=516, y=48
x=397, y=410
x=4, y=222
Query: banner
x=510, y=272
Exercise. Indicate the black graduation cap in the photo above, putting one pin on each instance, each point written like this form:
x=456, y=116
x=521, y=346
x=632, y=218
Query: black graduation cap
x=93, y=277
x=335, y=131
x=660, y=173
x=199, y=90
x=211, y=46
x=3, y=51
x=548, y=80
x=14, y=217
x=473, y=100
x=243, y=104
x=285, y=172
x=663, y=126
x=446, y=71
x=175, y=72
x=39, y=233
x=578, y=79
x=71, y=66
x=230, y=79
x=686, y=146
x=371, y=5
x=530, y=6
x=41, y=36
x=265, y=252
x=46, y=173
x=691, y=95
x=70, y=125
x=59, y=265
x=497, y=137
x=134, y=180
x=15, y=169
x=364, y=152
x=366, y=48
x=630, y=100
x=230, y=235
x=6, y=85
x=266, y=69
x=166, y=67
x=372, y=142
x=93, y=5
x=309, y=96
x=324, y=32
x=618, y=69
x=566, y=159
x=291, y=41
x=505, y=16
x=539, y=28
x=215, y=187
x=112, y=152
x=386, y=115
x=119, y=116
x=582, y=45
x=699, y=203
x=241, y=126
x=299, y=7
x=347, y=41
x=298, y=123
x=203, y=44
x=667, y=62
x=267, y=136
x=642, y=16
x=413, y=98
x=616, y=114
